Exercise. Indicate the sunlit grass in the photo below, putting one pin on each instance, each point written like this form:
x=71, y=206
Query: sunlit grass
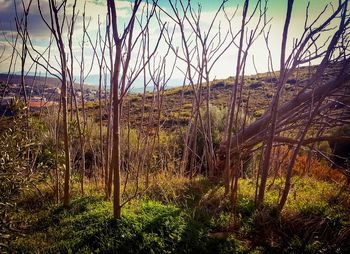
x=178, y=215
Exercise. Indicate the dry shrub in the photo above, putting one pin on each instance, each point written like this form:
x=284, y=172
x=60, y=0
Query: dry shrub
x=317, y=169
x=305, y=165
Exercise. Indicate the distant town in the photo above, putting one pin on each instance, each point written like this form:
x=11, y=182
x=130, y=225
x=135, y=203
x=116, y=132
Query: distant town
x=40, y=94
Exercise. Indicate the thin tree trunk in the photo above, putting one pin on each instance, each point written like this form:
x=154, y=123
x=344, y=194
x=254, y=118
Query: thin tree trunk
x=294, y=157
x=233, y=103
x=274, y=108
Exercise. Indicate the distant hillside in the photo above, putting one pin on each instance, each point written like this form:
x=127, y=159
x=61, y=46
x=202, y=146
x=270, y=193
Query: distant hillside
x=177, y=102
x=49, y=82
x=52, y=82
x=149, y=88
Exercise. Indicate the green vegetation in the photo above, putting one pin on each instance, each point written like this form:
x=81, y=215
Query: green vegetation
x=247, y=164
x=146, y=227
x=173, y=214
x=180, y=216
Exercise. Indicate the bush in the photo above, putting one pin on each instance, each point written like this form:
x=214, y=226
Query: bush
x=12, y=163
x=15, y=155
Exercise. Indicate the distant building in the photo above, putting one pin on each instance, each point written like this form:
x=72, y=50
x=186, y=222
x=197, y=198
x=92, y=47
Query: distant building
x=37, y=105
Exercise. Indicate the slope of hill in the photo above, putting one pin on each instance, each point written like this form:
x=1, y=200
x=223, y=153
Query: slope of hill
x=258, y=91
x=49, y=82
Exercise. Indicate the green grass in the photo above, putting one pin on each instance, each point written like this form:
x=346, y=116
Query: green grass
x=146, y=227
x=179, y=216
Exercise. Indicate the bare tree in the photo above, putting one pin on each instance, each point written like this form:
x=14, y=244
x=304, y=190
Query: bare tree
x=22, y=31
x=296, y=113
x=274, y=106
x=55, y=26
x=235, y=121
x=122, y=79
x=200, y=51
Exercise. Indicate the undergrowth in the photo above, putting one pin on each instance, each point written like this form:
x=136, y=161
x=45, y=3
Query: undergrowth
x=146, y=227
x=182, y=216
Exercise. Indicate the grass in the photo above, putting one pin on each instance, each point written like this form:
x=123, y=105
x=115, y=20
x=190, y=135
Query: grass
x=176, y=215
x=146, y=227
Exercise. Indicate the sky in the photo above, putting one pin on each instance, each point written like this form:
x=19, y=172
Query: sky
x=224, y=67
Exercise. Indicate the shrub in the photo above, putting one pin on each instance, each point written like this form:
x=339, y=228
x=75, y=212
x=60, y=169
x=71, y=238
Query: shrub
x=13, y=163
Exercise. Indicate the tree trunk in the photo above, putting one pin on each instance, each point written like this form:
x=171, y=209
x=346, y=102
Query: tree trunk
x=274, y=108
x=66, y=195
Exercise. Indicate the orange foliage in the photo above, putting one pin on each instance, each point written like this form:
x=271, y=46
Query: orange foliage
x=306, y=166
x=316, y=169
